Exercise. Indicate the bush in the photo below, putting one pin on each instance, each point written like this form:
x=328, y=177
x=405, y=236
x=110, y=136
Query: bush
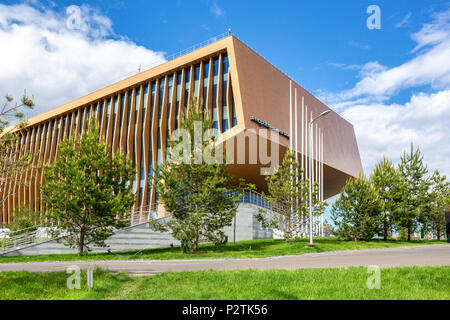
x=24, y=218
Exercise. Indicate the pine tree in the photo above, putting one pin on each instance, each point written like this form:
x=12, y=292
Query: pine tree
x=414, y=190
x=356, y=214
x=288, y=196
x=195, y=186
x=87, y=190
x=13, y=158
x=386, y=179
x=433, y=217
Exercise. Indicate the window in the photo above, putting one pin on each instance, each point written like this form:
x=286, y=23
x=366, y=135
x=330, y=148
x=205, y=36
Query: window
x=196, y=79
x=121, y=112
x=205, y=84
x=69, y=123
x=214, y=95
x=88, y=116
x=63, y=127
x=75, y=122
x=108, y=114
x=144, y=108
x=81, y=121
x=178, y=98
x=233, y=109
x=130, y=97
x=152, y=101
x=160, y=99
x=57, y=132
x=40, y=136
x=100, y=117
x=50, y=134
x=115, y=110
x=224, y=94
x=169, y=104
x=136, y=108
x=187, y=87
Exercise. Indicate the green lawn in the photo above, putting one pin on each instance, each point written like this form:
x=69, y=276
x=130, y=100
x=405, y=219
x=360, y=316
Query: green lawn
x=396, y=283
x=243, y=249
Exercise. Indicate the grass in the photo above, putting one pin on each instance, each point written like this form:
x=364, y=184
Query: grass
x=242, y=249
x=396, y=283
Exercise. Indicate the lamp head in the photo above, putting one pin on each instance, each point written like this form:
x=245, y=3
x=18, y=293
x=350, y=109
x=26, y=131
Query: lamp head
x=325, y=113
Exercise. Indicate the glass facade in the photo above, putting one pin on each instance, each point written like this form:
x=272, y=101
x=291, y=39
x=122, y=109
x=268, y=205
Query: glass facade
x=196, y=81
x=187, y=87
x=205, y=84
x=225, y=65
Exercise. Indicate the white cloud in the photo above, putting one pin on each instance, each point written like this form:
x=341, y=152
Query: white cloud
x=430, y=66
x=358, y=45
x=216, y=10
x=386, y=128
x=58, y=59
x=404, y=21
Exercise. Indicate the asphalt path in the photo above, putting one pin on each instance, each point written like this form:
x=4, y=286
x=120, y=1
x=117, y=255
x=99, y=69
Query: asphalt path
x=427, y=255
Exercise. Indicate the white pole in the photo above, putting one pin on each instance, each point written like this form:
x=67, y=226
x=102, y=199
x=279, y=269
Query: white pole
x=316, y=178
x=321, y=145
x=291, y=138
x=320, y=179
x=290, y=115
x=296, y=127
x=296, y=156
x=303, y=128
x=311, y=244
x=303, y=155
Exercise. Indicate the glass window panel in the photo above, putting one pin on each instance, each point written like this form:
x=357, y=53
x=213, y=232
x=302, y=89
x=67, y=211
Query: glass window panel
x=81, y=121
x=187, y=85
x=160, y=99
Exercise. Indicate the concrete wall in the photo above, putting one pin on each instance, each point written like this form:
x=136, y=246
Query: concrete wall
x=142, y=237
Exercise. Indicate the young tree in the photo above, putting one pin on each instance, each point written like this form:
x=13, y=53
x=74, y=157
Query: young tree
x=386, y=179
x=13, y=159
x=195, y=186
x=288, y=195
x=356, y=214
x=87, y=190
x=24, y=218
x=415, y=187
x=433, y=217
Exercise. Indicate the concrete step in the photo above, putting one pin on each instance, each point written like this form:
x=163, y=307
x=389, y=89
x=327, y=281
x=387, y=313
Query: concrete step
x=142, y=237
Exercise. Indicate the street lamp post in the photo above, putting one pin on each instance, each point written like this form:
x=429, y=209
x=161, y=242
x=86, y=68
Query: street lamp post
x=311, y=243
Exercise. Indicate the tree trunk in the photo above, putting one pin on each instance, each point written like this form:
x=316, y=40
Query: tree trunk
x=409, y=234
x=81, y=243
x=385, y=228
x=82, y=231
x=196, y=232
x=196, y=240
x=438, y=234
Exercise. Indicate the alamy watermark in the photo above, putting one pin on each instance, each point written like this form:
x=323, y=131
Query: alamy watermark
x=374, y=280
x=74, y=280
x=248, y=147
x=374, y=20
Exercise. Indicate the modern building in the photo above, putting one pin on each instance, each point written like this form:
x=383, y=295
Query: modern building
x=243, y=92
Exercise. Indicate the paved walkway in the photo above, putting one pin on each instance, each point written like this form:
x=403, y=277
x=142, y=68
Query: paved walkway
x=427, y=255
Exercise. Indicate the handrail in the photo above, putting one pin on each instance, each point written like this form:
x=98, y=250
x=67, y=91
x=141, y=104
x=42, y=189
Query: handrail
x=169, y=58
x=19, y=238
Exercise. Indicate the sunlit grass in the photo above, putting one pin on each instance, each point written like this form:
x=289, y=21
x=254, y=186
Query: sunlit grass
x=242, y=249
x=396, y=283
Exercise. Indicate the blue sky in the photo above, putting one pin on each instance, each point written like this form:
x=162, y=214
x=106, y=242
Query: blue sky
x=304, y=38
x=393, y=84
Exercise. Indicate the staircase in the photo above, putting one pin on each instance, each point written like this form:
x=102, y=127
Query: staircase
x=138, y=235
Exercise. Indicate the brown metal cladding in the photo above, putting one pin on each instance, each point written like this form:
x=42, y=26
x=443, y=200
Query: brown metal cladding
x=254, y=86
